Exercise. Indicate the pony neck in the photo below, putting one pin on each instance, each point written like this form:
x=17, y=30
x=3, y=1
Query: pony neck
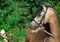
x=54, y=26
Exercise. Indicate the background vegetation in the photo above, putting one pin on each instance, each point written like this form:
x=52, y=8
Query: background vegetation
x=16, y=15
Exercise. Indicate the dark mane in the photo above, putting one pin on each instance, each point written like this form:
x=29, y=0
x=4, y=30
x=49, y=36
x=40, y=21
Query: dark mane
x=39, y=9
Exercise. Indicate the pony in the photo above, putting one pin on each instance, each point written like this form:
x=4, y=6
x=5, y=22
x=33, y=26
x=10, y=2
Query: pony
x=45, y=16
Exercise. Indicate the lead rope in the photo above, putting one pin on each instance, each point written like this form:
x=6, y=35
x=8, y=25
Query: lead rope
x=50, y=35
x=43, y=29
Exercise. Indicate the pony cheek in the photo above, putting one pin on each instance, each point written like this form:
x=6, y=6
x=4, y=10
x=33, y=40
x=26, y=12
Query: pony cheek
x=46, y=20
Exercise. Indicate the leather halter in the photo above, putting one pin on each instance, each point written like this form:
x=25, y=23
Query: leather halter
x=43, y=17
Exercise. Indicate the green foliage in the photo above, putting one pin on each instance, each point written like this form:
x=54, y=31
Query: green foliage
x=1, y=39
x=19, y=14
x=58, y=10
x=17, y=35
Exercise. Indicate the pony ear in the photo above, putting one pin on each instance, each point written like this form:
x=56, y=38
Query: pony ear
x=44, y=8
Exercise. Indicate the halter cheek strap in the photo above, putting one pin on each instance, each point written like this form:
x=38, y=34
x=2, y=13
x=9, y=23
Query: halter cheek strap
x=42, y=18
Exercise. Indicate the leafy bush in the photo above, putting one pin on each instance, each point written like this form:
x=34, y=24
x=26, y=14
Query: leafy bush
x=16, y=15
x=58, y=12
